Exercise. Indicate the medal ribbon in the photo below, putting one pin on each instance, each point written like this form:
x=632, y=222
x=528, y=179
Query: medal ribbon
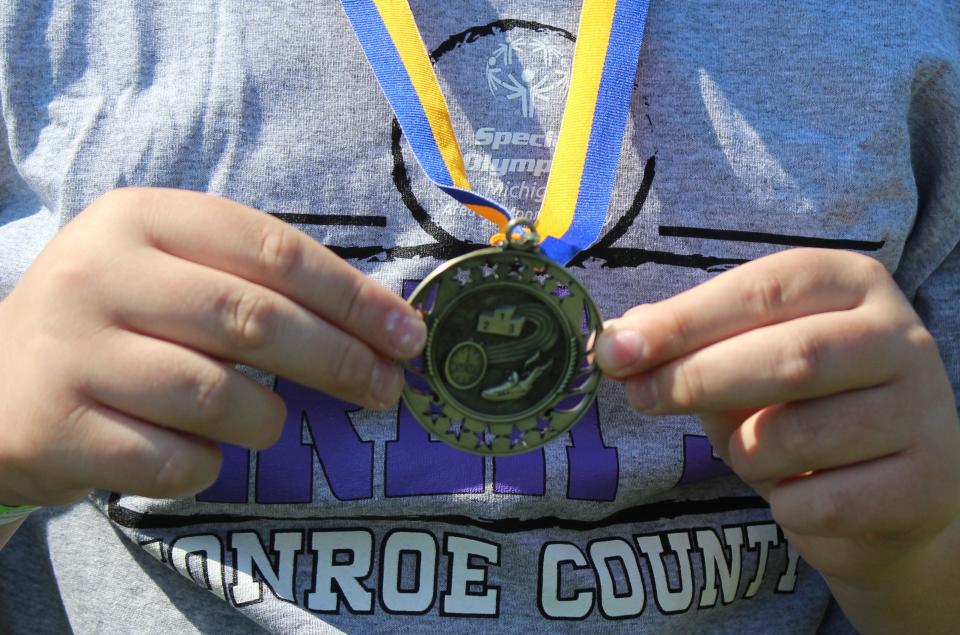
x=591, y=133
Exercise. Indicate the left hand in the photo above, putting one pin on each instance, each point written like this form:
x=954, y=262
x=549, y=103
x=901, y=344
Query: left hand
x=817, y=383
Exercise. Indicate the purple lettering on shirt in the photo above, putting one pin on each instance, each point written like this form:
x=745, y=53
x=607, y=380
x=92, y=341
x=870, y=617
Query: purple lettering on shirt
x=285, y=471
x=520, y=474
x=418, y=465
x=594, y=468
x=699, y=463
x=231, y=484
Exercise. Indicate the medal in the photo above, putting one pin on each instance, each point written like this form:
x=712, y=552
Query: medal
x=508, y=364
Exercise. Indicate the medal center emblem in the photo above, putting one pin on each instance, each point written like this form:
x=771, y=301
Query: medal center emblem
x=497, y=347
x=465, y=365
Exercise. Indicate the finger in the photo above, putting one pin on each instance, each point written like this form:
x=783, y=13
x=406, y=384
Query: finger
x=103, y=448
x=166, y=384
x=718, y=426
x=781, y=287
x=891, y=495
x=805, y=358
x=255, y=246
x=233, y=319
x=788, y=440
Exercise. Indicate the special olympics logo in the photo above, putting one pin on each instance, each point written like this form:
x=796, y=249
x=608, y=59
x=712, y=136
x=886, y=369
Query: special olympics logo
x=526, y=70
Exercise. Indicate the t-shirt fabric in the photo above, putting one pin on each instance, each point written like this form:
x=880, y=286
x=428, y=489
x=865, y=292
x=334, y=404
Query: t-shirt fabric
x=755, y=126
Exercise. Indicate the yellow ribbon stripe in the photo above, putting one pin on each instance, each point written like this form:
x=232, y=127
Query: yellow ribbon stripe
x=402, y=28
x=492, y=214
x=563, y=184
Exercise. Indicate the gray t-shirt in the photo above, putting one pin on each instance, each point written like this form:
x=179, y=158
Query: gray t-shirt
x=754, y=126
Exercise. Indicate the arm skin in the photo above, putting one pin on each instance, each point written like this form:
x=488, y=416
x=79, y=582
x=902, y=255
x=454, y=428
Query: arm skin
x=918, y=596
x=817, y=383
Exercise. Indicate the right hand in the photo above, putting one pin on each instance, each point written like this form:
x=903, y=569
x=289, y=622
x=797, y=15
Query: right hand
x=119, y=344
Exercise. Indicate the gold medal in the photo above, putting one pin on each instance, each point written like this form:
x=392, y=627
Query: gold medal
x=508, y=363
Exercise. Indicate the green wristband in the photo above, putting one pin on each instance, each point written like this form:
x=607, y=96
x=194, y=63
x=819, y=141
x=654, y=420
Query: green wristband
x=8, y=513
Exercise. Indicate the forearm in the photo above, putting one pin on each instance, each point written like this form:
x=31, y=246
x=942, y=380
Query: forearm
x=917, y=594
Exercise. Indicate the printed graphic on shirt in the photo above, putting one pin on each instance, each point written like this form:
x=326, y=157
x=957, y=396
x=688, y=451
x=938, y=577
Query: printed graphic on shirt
x=526, y=85
x=411, y=571
x=515, y=68
x=526, y=68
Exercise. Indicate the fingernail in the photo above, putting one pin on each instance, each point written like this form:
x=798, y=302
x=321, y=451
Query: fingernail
x=386, y=384
x=407, y=333
x=619, y=349
x=642, y=394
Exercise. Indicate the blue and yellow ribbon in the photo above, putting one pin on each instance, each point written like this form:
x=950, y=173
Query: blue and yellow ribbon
x=584, y=164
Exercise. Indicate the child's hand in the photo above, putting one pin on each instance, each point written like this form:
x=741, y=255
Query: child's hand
x=118, y=344
x=819, y=386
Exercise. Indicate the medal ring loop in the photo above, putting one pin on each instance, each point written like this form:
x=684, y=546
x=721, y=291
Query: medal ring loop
x=521, y=233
